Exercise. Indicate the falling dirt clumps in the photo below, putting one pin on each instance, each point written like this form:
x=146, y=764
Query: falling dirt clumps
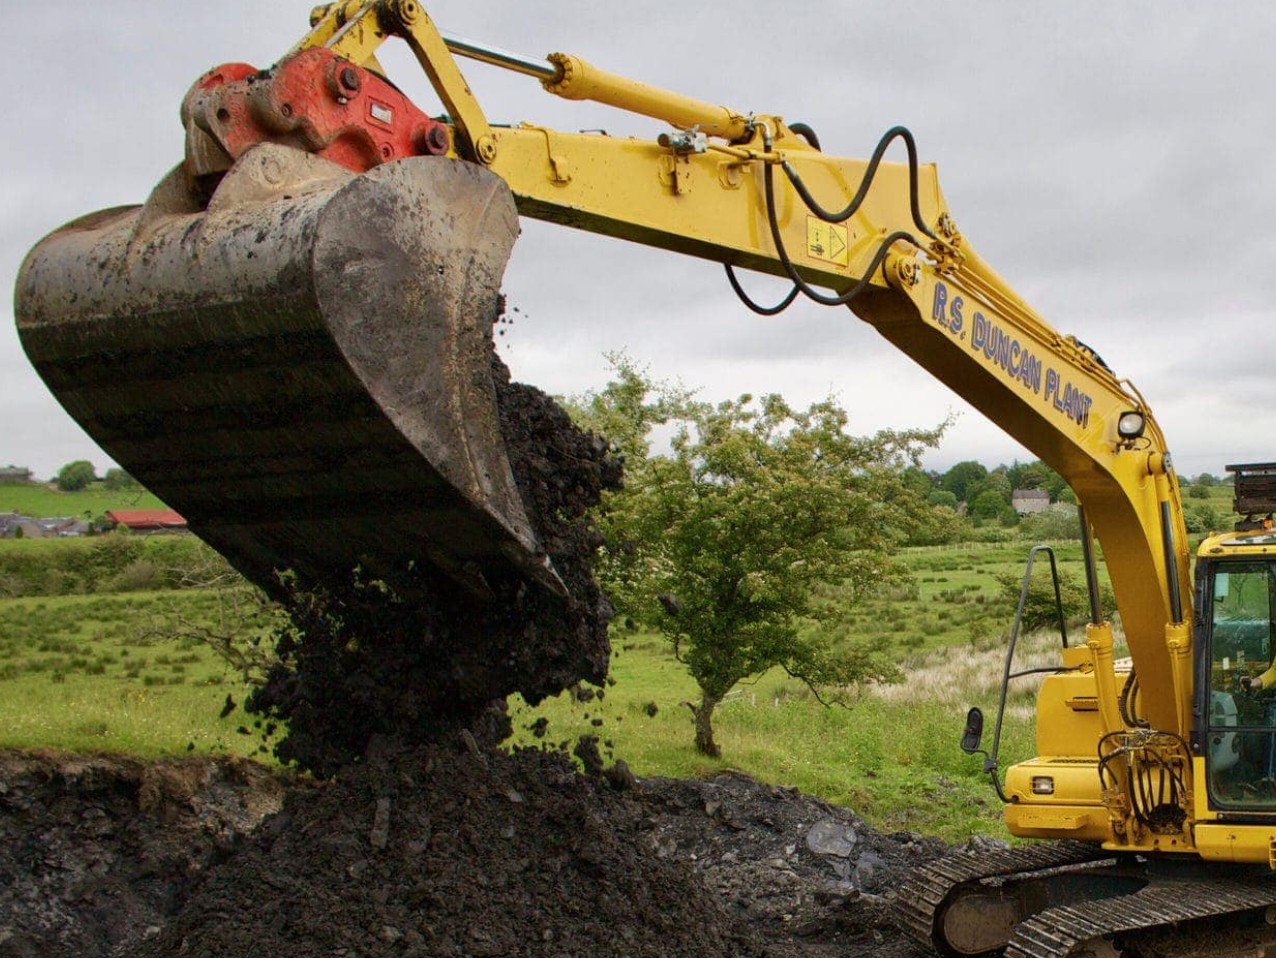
x=415, y=660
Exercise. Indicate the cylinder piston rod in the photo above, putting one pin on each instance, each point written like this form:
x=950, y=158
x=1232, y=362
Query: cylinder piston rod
x=574, y=79
x=495, y=56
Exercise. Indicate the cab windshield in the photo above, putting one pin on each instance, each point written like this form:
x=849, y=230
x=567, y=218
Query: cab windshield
x=1241, y=732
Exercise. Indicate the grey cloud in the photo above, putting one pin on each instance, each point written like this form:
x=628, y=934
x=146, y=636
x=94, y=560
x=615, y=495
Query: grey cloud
x=1110, y=160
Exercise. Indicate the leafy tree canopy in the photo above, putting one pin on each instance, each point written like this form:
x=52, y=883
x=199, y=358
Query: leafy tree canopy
x=76, y=475
x=991, y=505
x=746, y=542
x=117, y=478
x=959, y=477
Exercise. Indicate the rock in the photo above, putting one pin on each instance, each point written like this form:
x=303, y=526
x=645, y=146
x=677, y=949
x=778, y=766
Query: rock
x=869, y=870
x=982, y=845
x=836, y=894
x=831, y=837
x=379, y=837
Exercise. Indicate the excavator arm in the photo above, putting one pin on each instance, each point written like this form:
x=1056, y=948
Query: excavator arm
x=270, y=398
x=750, y=192
x=266, y=397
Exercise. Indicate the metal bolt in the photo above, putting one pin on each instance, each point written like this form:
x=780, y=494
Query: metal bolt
x=486, y=149
x=437, y=141
x=407, y=11
x=350, y=78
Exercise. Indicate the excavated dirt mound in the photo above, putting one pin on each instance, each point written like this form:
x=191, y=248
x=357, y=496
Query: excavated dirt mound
x=97, y=853
x=416, y=661
x=441, y=850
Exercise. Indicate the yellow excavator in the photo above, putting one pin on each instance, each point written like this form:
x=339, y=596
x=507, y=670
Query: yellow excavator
x=290, y=344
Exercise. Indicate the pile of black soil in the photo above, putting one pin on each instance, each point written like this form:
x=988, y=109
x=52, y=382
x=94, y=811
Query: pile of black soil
x=438, y=850
x=457, y=852
x=427, y=840
x=97, y=853
x=415, y=662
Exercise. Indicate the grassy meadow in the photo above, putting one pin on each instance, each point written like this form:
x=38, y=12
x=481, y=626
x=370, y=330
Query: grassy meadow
x=102, y=648
x=107, y=673
x=37, y=499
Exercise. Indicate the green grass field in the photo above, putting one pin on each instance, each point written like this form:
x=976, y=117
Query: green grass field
x=87, y=673
x=91, y=672
x=42, y=501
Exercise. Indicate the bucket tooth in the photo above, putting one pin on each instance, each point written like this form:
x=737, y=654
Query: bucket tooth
x=302, y=368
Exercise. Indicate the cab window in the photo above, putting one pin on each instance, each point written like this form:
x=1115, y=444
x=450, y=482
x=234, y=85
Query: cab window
x=1241, y=734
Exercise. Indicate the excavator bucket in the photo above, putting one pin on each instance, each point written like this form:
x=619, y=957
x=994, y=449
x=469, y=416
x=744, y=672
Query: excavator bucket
x=301, y=366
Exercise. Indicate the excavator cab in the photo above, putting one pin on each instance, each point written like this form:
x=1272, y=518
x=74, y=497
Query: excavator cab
x=1236, y=641
x=1239, y=617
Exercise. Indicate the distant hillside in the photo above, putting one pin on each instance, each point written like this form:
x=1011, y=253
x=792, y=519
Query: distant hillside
x=40, y=501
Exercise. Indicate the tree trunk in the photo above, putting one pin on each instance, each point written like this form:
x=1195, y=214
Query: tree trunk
x=703, y=715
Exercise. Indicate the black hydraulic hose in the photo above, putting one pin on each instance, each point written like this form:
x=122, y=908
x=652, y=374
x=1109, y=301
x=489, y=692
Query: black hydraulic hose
x=841, y=216
x=805, y=132
x=800, y=285
x=779, y=307
x=811, y=293
x=1126, y=701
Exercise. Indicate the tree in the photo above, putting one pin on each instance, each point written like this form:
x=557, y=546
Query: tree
x=1027, y=475
x=957, y=479
x=920, y=481
x=990, y=506
x=746, y=542
x=1040, y=611
x=1202, y=519
x=942, y=497
x=75, y=476
x=116, y=478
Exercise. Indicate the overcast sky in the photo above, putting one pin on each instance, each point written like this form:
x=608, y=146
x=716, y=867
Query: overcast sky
x=1111, y=160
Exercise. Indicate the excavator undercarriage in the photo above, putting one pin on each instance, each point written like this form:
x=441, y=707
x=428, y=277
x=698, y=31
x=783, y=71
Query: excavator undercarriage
x=1076, y=900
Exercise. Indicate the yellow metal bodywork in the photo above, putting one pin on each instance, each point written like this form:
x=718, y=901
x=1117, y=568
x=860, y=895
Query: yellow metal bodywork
x=702, y=192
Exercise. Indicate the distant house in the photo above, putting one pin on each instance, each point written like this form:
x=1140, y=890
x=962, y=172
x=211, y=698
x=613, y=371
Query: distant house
x=1029, y=501
x=62, y=527
x=146, y=521
x=16, y=526
x=14, y=474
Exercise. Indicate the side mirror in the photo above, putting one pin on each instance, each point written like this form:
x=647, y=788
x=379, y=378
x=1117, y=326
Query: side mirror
x=974, y=731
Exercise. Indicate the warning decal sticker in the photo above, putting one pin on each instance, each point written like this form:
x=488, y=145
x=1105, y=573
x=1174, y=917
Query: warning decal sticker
x=826, y=241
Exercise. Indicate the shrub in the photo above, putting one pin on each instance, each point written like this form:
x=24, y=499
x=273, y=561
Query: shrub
x=137, y=576
x=1039, y=608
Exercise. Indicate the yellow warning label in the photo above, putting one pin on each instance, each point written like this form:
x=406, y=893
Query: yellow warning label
x=827, y=241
